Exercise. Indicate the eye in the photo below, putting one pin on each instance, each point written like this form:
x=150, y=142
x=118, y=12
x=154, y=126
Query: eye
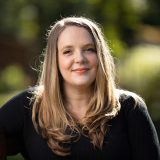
x=67, y=52
x=90, y=49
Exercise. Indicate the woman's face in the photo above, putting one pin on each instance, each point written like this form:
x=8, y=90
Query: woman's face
x=77, y=57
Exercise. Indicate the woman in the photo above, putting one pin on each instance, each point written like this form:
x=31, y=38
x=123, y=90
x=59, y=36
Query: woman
x=75, y=111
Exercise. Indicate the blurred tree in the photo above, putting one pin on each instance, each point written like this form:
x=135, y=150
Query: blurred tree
x=153, y=13
x=13, y=78
x=28, y=20
x=140, y=72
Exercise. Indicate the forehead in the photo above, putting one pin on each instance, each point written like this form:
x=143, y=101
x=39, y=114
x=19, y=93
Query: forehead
x=74, y=34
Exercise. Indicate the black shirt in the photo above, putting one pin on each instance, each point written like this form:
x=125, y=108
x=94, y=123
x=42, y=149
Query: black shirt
x=131, y=135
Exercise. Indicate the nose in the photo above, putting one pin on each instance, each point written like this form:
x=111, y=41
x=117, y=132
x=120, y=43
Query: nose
x=79, y=57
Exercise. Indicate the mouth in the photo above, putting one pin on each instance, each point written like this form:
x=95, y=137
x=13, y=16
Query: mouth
x=80, y=70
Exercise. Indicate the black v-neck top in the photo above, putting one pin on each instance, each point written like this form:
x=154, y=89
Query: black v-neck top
x=131, y=135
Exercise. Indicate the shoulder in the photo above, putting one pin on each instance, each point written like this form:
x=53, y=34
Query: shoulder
x=27, y=96
x=12, y=113
x=134, y=109
x=26, y=93
x=130, y=101
x=23, y=98
x=140, y=128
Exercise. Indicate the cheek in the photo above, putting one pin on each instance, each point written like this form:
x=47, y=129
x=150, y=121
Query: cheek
x=63, y=64
x=94, y=61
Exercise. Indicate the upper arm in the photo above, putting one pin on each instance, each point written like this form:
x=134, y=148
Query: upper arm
x=12, y=122
x=11, y=114
x=142, y=133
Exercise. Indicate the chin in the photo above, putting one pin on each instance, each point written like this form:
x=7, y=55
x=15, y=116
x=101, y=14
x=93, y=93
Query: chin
x=82, y=85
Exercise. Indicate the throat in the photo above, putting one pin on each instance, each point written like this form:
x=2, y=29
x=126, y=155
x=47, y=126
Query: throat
x=77, y=113
x=77, y=102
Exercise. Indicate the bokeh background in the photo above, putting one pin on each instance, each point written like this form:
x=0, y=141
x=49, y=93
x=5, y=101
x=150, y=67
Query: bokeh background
x=131, y=27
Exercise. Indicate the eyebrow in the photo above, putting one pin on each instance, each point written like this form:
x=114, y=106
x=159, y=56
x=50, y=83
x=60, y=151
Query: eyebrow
x=89, y=44
x=70, y=46
x=67, y=46
x=64, y=48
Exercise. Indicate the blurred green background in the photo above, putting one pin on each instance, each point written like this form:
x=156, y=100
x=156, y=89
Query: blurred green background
x=131, y=27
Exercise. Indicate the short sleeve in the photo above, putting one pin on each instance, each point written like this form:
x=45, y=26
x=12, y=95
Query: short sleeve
x=142, y=133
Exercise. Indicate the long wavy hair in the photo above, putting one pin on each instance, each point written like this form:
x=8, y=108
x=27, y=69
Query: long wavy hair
x=50, y=116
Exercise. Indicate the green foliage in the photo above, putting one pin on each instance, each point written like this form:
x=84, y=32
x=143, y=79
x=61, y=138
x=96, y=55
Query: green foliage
x=140, y=72
x=29, y=20
x=12, y=78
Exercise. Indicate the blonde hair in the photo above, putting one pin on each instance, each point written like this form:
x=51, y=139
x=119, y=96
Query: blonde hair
x=49, y=113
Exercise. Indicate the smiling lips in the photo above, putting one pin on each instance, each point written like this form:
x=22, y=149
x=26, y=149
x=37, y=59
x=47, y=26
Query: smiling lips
x=80, y=70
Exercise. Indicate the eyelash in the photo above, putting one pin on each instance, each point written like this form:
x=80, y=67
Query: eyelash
x=86, y=50
x=67, y=52
x=90, y=49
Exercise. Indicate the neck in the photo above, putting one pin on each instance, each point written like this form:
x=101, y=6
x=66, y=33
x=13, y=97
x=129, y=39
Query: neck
x=77, y=100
